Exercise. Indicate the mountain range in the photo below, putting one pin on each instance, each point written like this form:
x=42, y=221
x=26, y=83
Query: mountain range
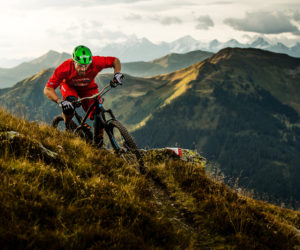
x=135, y=49
x=240, y=108
x=165, y=64
x=137, y=52
x=10, y=76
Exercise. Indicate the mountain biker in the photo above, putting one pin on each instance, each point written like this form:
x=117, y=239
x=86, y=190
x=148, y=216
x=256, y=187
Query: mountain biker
x=76, y=78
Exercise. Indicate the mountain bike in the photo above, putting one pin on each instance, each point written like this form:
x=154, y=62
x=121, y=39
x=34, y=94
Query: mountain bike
x=119, y=138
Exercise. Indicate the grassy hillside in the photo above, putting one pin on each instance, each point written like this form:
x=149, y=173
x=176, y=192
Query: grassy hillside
x=279, y=74
x=138, y=98
x=79, y=197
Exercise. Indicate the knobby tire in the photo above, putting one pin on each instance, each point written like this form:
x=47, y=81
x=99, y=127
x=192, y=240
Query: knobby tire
x=83, y=133
x=132, y=146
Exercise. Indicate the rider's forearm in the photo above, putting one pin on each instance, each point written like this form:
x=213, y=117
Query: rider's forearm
x=51, y=94
x=117, y=65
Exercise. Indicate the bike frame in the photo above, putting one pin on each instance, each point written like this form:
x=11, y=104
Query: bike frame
x=95, y=104
x=99, y=112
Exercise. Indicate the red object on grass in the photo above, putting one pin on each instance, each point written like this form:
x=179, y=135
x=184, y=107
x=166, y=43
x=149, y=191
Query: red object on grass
x=177, y=151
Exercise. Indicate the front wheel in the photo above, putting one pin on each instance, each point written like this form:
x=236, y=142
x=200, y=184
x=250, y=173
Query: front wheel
x=122, y=141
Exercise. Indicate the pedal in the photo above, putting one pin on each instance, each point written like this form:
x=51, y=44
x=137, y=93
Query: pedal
x=85, y=125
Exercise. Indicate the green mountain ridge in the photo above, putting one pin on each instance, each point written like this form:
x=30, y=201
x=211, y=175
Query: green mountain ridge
x=26, y=98
x=277, y=73
x=236, y=113
x=166, y=64
x=75, y=196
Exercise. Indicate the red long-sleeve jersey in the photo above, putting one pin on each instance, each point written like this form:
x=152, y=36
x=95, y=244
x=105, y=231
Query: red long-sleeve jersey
x=66, y=73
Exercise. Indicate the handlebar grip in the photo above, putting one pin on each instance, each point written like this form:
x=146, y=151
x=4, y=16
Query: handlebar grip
x=76, y=104
x=113, y=84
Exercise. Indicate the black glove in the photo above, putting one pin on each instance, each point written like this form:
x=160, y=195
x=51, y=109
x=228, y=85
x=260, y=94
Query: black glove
x=67, y=107
x=118, y=77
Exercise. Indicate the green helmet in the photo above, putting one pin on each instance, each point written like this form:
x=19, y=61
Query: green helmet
x=82, y=55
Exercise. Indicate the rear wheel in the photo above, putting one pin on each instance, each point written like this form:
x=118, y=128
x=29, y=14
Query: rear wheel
x=84, y=133
x=59, y=123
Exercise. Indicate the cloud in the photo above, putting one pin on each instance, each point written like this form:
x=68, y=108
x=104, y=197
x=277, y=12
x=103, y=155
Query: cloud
x=38, y=4
x=263, y=22
x=296, y=15
x=112, y=35
x=167, y=20
x=133, y=17
x=92, y=32
x=204, y=23
x=170, y=20
x=297, y=33
x=220, y=3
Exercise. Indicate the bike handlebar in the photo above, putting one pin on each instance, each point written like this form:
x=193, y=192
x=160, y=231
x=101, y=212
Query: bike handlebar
x=108, y=87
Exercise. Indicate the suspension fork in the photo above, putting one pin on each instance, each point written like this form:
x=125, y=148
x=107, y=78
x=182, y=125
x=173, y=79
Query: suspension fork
x=101, y=123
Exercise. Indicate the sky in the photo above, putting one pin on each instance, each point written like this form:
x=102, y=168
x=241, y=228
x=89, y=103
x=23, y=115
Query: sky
x=31, y=28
